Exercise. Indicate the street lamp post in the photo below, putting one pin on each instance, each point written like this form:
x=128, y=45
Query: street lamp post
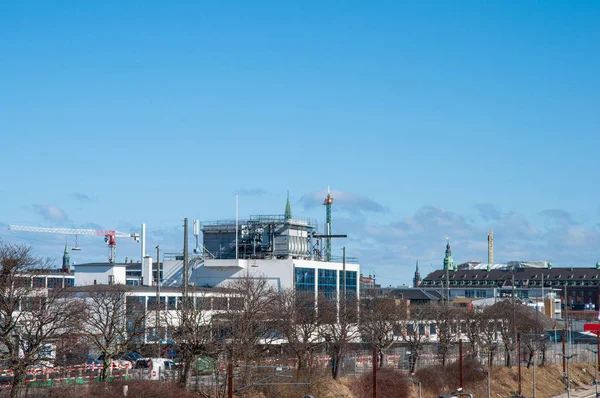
x=567, y=357
x=489, y=385
x=596, y=370
x=533, y=363
x=418, y=383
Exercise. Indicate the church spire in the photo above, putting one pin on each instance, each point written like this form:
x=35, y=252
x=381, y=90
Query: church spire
x=66, y=264
x=417, y=277
x=288, y=208
x=448, y=261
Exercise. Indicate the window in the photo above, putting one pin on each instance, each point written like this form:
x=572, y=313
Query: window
x=305, y=280
x=236, y=303
x=39, y=282
x=69, y=282
x=350, y=282
x=203, y=303
x=172, y=303
x=54, y=283
x=469, y=293
x=152, y=303
x=219, y=303
x=327, y=283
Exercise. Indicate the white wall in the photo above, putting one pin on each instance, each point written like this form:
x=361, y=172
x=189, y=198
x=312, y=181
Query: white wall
x=87, y=274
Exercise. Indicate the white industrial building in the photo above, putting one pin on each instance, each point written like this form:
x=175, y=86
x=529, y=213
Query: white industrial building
x=288, y=252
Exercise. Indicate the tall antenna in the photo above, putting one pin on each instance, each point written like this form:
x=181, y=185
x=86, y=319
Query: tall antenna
x=490, y=248
x=327, y=202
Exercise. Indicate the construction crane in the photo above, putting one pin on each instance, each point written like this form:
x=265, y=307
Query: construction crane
x=109, y=235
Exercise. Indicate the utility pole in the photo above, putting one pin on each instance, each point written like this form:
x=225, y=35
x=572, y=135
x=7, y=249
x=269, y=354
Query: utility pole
x=344, y=276
x=157, y=309
x=230, y=379
x=519, y=358
x=374, y=372
x=460, y=364
x=564, y=354
x=185, y=259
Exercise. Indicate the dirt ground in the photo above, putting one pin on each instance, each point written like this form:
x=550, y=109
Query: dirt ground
x=504, y=381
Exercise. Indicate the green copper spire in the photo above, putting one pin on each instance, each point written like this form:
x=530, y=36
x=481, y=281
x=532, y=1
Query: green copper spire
x=448, y=261
x=288, y=208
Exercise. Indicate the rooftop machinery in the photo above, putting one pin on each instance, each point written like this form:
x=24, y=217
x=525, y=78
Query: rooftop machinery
x=109, y=235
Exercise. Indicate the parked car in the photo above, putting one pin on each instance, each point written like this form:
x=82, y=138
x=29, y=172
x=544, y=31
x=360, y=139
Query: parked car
x=154, y=369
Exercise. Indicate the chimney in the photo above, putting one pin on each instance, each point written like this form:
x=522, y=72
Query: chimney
x=147, y=271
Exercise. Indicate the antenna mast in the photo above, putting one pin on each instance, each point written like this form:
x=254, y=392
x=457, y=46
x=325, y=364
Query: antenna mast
x=327, y=203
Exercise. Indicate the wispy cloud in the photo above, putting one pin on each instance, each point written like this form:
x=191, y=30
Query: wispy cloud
x=343, y=201
x=252, y=192
x=559, y=216
x=50, y=213
x=392, y=247
x=487, y=211
x=82, y=197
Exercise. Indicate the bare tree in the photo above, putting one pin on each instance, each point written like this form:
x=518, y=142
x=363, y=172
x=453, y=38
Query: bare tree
x=377, y=319
x=473, y=321
x=410, y=329
x=338, y=328
x=297, y=319
x=445, y=317
x=114, y=320
x=490, y=328
x=245, y=328
x=32, y=319
x=191, y=329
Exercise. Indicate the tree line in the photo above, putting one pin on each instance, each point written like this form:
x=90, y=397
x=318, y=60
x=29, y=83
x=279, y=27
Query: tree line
x=259, y=322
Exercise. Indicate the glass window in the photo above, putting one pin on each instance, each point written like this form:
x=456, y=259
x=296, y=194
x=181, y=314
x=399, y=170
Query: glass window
x=236, y=303
x=54, y=283
x=69, y=282
x=219, y=303
x=172, y=303
x=350, y=282
x=327, y=283
x=203, y=303
x=432, y=329
x=305, y=280
x=39, y=282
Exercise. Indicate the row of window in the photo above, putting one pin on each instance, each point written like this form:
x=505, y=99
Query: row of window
x=328, y=279
x=518, y=283
x=176, y=302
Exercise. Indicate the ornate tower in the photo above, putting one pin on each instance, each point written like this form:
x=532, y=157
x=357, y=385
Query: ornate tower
x=417, y=277
x=66, y=265
x=288, y=208
x=448, y=261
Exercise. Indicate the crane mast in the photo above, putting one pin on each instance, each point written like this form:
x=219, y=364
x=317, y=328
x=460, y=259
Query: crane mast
x=327, y=203
x=490, y=248
x=110, y=235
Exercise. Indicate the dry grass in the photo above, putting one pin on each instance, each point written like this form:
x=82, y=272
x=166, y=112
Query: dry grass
x=389, y=383
x=436, y=381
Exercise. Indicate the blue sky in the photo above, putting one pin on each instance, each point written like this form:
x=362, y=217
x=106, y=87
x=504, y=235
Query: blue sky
x=428, y=119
